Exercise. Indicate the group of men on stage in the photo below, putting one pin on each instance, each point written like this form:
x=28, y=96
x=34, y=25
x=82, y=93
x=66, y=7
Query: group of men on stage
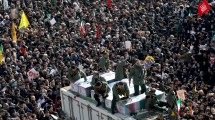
x=138, y=74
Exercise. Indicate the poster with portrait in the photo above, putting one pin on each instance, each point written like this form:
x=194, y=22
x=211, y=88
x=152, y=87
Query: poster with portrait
x=149, y=60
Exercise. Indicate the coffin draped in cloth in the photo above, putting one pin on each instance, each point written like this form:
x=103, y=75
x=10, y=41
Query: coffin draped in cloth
x=135, y=104
x=110, y=97
x=84, y=88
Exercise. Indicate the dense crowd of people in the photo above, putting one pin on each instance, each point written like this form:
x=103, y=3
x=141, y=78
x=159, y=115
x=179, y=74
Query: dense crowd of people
x=181, y=42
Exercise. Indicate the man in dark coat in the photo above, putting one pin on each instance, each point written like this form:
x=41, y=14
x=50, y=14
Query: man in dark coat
x=172, y=106
x=104, y=63
x=138, y=73
x=120, y=72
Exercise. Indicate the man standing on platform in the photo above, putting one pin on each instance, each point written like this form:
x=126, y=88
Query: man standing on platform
x=120, y=88
x=172, y=105
x=101, y=88
x=121, y=70
x=104, y=63
x=138, y=73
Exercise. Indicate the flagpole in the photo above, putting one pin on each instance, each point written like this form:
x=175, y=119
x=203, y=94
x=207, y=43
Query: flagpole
x=161, y=66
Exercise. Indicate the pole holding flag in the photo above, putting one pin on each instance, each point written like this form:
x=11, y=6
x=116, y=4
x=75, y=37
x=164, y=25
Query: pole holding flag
x=24, y=23
x=203, y=8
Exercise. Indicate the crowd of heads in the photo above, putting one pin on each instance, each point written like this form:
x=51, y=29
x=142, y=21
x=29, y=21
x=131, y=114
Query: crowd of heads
x=181, y=42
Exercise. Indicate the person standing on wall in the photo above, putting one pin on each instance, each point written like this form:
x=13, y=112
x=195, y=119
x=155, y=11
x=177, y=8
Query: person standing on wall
x=120, y=72
x=138, y=73
x=104, y=63
x=172, y=105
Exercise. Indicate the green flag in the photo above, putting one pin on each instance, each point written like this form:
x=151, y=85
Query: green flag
x=179, y=105
x=1, y=54
x=1, y=48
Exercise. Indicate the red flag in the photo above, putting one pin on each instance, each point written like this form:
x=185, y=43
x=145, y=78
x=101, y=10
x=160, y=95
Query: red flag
x=109, y=4
x=98, y=32
x=22, y=49
x=82, y=28
x=203, y=8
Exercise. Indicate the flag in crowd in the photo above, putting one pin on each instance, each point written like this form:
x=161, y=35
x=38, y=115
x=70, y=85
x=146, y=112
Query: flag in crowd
x=179, y=106
x=22, y=49
x=1, y=54
x=109, y=4
x=14, y=37
x=24, y=23
x=149, y=60
x=99, y=27
x=203, y=8
x=82, y=28
x=195, y=90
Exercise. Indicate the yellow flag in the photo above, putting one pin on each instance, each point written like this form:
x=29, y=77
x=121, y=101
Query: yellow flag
x=1, y=57
x=195, y=89
x=14, y=37
x=173, y=113
x=24, y=21
x=149, y=57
